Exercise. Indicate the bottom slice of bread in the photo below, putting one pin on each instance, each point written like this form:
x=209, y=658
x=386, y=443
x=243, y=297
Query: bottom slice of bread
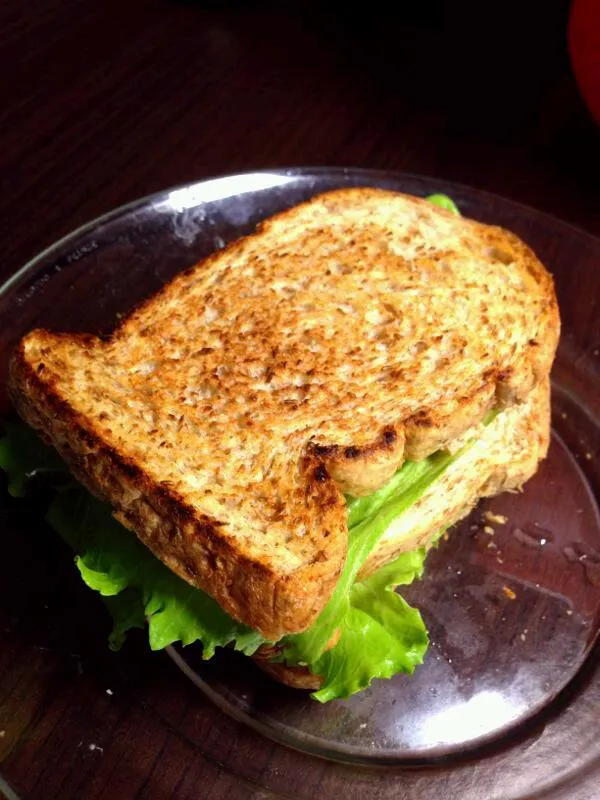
x=498, y=457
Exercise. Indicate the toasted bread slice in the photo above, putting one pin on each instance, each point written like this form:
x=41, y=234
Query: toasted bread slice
x=504, y=455
x=344, y=333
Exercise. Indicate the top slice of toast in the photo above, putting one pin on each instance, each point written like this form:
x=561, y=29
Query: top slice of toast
x=226, y=416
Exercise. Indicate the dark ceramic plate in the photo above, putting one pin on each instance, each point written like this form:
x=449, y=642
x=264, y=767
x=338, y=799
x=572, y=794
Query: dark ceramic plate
x=508, y=700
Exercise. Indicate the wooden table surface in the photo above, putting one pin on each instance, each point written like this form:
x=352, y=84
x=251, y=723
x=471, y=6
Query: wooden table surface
x=103, y=102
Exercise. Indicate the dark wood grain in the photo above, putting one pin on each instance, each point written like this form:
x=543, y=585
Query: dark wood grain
x=103, y=102
x=109, y=101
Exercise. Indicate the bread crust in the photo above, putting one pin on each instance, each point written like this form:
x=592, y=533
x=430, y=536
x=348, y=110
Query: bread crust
x=294, y=677
x=219, y=415
x=360, y=471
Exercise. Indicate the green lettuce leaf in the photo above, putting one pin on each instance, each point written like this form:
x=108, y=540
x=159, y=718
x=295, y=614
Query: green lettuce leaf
x=415, y=474
x=443, y=201
x=369, y=523
x=380, y=634
x=113, y=561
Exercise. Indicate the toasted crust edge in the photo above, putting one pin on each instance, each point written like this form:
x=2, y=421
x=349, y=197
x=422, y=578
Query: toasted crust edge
x=362, y=470
x=294, y=677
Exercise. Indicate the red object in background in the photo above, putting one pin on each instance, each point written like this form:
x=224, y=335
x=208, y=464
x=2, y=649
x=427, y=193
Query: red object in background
x=584, y=51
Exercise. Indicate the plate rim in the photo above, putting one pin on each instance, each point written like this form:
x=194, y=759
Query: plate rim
x=162, y=196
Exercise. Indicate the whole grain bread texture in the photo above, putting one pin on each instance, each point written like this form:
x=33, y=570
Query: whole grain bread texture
x=226, y=417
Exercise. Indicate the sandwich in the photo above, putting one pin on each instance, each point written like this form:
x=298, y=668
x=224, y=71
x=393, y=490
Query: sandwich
x=271, y=444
